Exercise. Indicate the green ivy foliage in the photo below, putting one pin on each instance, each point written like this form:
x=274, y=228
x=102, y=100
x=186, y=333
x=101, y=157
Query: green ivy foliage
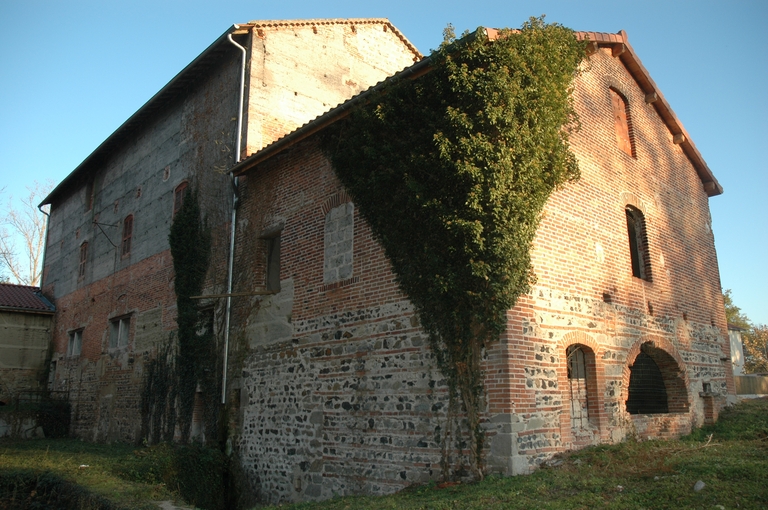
x=451, y=170
x=190, y=244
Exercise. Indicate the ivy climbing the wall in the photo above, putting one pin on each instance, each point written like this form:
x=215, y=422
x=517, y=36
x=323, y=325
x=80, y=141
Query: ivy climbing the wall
x=452, y=170
x=189, y=359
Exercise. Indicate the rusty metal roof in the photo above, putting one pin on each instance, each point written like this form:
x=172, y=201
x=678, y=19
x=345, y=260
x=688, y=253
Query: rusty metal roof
x=22, y=298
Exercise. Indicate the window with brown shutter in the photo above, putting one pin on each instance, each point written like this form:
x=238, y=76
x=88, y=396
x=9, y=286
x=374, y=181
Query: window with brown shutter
x=127, y=234
x=178, y=196
x=622, y=122
x=83, y=258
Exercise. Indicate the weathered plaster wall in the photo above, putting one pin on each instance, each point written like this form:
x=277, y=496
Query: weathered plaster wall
x=299, y=70
x=192, y=141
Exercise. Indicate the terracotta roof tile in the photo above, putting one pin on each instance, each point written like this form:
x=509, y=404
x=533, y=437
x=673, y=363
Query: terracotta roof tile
x=22, y=297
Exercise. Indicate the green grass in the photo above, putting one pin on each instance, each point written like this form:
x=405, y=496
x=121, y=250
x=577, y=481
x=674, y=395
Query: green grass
x=40, y=470
x=731, y=458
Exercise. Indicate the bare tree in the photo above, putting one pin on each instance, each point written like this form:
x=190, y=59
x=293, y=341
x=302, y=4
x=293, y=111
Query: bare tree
x=24, y=224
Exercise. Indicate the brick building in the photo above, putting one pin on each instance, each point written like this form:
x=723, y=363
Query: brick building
x=623, y=335
x=108, y=265
x=328, y=382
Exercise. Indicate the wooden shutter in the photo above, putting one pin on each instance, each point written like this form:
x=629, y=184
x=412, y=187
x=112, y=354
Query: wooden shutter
x=621, y=122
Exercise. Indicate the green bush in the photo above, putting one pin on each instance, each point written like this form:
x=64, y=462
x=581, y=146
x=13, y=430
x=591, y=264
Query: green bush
x=27, y=489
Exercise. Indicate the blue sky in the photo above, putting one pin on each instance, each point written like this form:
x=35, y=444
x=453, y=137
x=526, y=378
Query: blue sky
x=73, y=71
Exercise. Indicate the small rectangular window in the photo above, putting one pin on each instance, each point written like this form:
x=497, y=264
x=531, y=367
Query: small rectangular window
x=638, y=244
x=127, y=234
x=118, y=332
x=75, y=344
x=178, y=196
x=83, y=258
x=273, y=264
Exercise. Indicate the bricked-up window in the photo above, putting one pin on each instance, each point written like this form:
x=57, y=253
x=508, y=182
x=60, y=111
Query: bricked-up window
x=339, y=235
x=623, y=123
x=273, y=263
x=89, y=196
x=647, y=391
x=127, y=235
x=83, y=259
x=638, y=244
x=75, y=343
x=178, y=195
x=118, y=332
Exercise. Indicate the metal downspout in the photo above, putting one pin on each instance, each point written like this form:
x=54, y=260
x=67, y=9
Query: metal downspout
x=230, y=265
x=45, y=246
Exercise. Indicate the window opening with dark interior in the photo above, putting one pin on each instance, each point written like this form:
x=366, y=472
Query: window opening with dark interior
x=638, y=243
x=75, y=343
x=118, y=334
x=647, y=391
x=273, y=264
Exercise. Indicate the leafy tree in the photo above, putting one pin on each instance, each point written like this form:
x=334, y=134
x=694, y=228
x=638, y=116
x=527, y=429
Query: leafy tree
x=756, y=349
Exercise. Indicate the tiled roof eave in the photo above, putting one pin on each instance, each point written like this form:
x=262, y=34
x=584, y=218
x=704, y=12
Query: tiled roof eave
x=643, y=79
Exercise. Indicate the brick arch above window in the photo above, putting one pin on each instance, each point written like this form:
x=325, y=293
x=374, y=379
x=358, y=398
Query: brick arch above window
x=578, y=337
x=629, y=198
x=335, y=200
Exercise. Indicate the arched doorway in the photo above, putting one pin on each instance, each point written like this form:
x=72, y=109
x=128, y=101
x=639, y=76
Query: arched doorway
x=582, y=394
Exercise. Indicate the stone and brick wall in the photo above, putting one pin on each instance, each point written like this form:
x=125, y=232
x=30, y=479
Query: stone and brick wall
x=317, y=401
x=191, y=139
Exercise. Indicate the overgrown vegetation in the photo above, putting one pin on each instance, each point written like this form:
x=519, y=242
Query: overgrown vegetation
x=68, y=473
x=730, y=457
x=452, y=170
x=754, y=337
x=189, y=359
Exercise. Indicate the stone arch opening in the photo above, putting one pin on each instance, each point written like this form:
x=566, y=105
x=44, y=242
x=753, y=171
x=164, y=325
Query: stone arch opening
x=656, y=383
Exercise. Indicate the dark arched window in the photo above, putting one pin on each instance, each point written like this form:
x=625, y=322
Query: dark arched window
x=638, y=244
x=647, y=391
